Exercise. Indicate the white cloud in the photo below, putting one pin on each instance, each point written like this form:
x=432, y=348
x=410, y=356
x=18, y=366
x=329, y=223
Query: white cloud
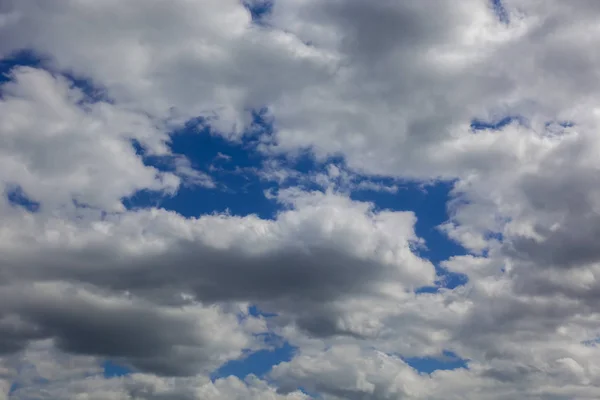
x=45, y=373
x=58, y=151
x=348, y=372
x=177, y=60
x=324, y=245
x=391, y=87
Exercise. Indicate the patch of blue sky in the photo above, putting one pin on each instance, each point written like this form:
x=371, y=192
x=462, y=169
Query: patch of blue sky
x=232, y=165
x=24, y=58
x=427, y=365
x=17, y=197
x=258, y=363
x=254, y=311
x=13, y=388
x=592, y=342
x=111, y=369
x=500, y=11
x=259, y=9
x=495, y=124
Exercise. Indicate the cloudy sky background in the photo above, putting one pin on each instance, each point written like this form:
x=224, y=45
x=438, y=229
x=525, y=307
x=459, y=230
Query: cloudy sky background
x=297, y=199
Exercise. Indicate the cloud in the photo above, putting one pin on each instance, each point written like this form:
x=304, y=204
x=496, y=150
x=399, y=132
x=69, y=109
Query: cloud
x=48, y=374
x=325, y=248
x=344, y=372
x=145, y=336
x=347, y=372
x=176, y=60
x=59, y=151
x=391, y=88
x=337, y=62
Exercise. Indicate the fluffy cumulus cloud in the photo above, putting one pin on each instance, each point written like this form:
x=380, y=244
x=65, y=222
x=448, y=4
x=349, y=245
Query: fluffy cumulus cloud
x=498, y=99
x=46, y=373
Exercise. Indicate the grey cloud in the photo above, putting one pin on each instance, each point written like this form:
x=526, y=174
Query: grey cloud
x=375, y=31
x=47, y=373
x=516, y=374
x=15, y=334
x=324, y=251
x=303, y=283
x=574, y=244
x=213, y=275
x=163, y=341
x=565, y=194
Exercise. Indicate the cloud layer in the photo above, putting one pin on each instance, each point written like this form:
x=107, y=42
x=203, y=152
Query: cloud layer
x=498, y=98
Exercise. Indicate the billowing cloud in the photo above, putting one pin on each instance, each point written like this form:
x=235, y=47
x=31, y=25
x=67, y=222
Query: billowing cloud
x=46, y=374
x=326, y=248
x=59, y=150
x=499, y=98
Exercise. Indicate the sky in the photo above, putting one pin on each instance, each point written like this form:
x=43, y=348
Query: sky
x=299, y=199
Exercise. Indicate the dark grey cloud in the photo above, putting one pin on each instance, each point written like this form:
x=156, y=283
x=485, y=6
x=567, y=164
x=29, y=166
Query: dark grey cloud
x=373, y=31
x=564, y=198
x=290, y=266
x=303, y=283
x=141, y=334
x=574, y=244
x=16, y=333
x=319, y=274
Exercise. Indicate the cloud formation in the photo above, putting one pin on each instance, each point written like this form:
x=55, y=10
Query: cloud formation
x=391, y=88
